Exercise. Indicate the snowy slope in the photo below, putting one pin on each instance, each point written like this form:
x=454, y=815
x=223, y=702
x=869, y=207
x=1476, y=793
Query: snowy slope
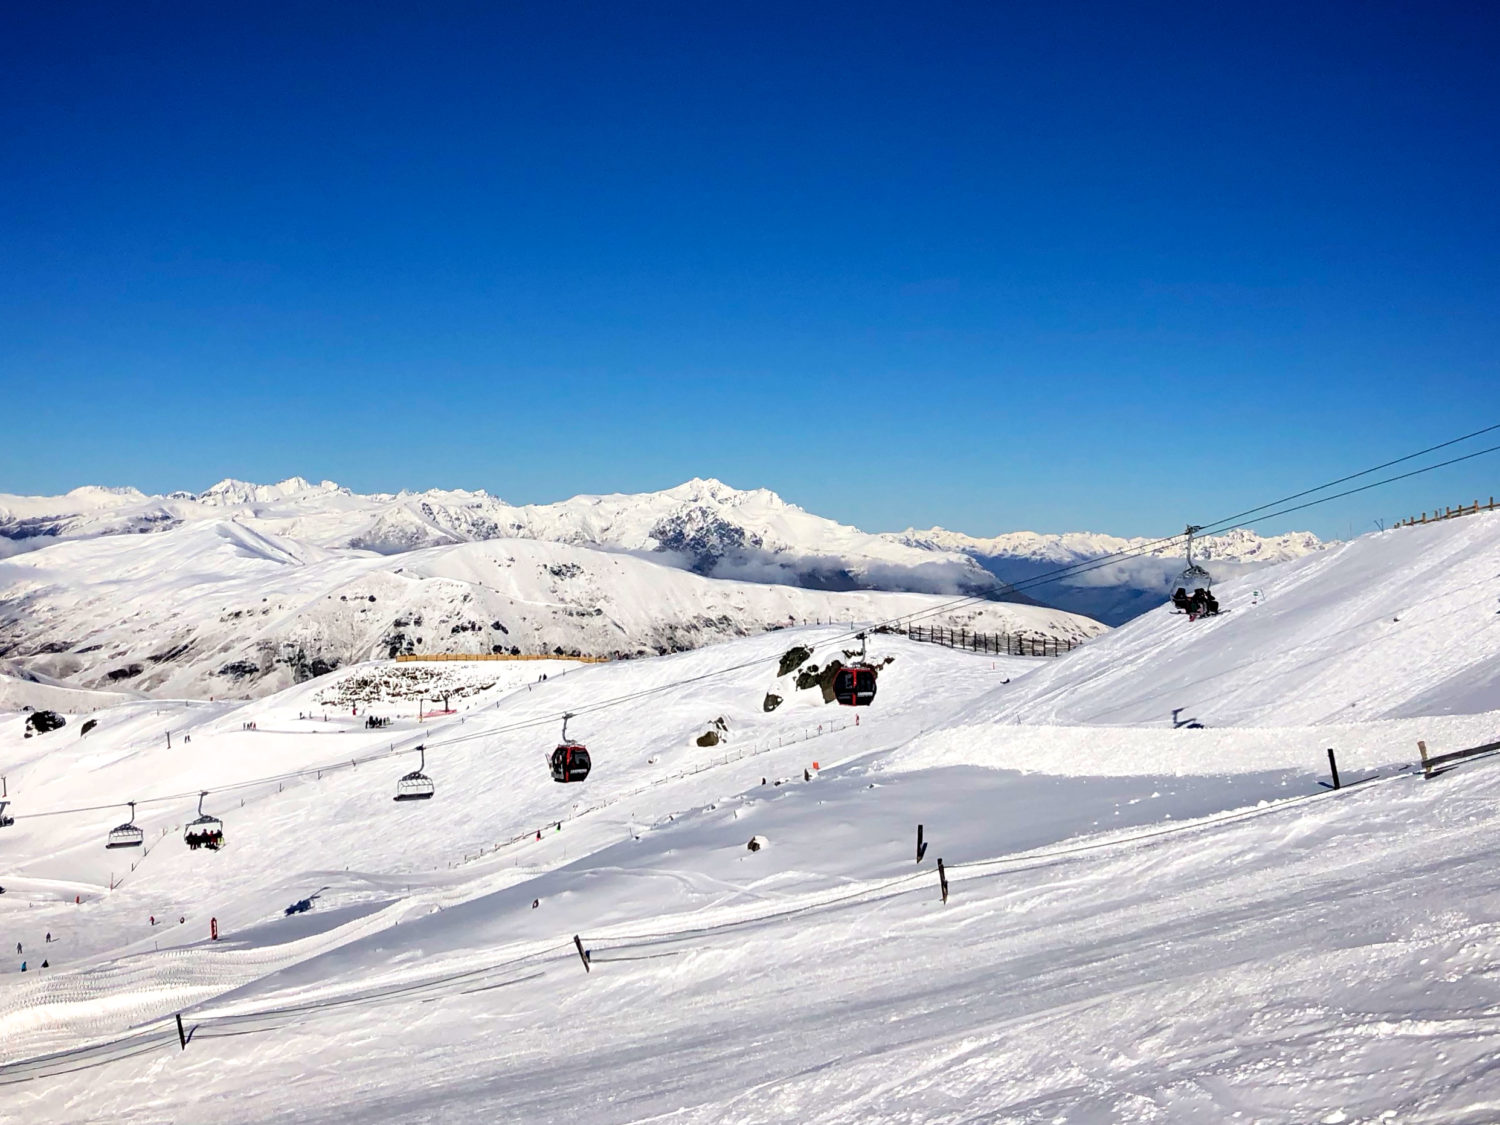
x=1393, y=624
x=220, y=608
x=1145, y=924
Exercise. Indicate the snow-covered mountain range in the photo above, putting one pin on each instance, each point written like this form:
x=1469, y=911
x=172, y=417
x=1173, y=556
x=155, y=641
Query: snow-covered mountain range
x=703, y=525
x=245, y=588
x=223, y=608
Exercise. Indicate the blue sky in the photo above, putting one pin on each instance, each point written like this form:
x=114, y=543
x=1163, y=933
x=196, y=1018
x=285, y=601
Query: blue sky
x=1055, y=266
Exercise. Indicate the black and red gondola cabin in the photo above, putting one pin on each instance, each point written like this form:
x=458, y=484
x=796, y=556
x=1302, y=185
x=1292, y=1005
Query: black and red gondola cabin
x=854, y=685
x=570, y=762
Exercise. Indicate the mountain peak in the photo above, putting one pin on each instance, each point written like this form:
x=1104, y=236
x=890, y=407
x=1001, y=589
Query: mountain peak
x=701, y=489
x=231, y=491
x=704, y=487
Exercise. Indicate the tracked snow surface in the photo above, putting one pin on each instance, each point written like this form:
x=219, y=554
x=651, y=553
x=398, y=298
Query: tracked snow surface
x=1147, y=921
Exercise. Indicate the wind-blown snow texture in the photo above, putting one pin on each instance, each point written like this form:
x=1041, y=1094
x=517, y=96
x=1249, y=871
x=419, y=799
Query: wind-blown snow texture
x=1146, y=924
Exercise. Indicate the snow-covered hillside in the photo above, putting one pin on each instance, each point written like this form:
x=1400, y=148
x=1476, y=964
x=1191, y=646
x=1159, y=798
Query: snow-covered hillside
x=1123, y=588
x=218, y=608
x=1145, y=922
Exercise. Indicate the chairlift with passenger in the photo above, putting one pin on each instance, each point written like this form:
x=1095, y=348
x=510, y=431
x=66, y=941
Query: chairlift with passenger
x=1194, y=577
x=126, y=835
x=854, y=684
x=570, y=761
x=204, y=832
x=415, y=786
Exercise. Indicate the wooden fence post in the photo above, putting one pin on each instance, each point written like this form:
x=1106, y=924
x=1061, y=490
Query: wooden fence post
x=1333, y=767
x=583, y=954
x=181, y=1035
x=943, y=880
x=1426, y=768
x=921, y=846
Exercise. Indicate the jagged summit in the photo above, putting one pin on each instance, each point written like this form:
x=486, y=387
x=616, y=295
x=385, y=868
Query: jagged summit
x=106, y=492
x=230, y=491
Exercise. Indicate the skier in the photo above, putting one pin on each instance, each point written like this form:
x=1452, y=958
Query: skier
x=44, y=964
x=1210, y=604
x=23, y=966
x=49, y=937
x=1180, y=599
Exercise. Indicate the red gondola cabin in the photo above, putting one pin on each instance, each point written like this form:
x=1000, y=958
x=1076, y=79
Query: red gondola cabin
x=570, y=762
x=854, y=686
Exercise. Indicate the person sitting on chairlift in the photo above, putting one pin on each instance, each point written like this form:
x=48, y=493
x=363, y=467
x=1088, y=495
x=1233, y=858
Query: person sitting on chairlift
x=1180, y=599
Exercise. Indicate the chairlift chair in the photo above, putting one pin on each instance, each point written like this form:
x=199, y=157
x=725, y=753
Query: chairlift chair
x=204, y=832
x=415, y=786
x=5, y=820
x=570, y=761
x=854, y=684
x=126, y=835
x=1194, y=577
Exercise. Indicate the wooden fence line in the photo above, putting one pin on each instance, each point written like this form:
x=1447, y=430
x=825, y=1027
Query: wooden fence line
x=406, y=657
x=1434, y=764
x=1447, y=513
x=1000, y=644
